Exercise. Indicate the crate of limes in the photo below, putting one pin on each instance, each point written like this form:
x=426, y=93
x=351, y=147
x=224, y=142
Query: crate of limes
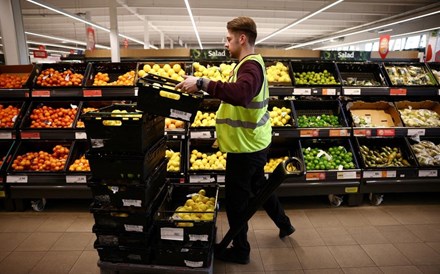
x=328, y=154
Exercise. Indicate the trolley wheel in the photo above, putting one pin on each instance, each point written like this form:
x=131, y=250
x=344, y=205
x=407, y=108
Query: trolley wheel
x=375, y=199
x=38, y=205
x=335, y=200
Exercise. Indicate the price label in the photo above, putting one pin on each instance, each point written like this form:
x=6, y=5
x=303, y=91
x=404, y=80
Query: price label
x=386, y=132
x=171, y=233
x=308, y=133
x=353, y=189
x=416, y=132
x=197, y=237
x=92, y=93
x=16, y=179
x=5, y=135
x=362, y=132
x=398, y=91
x=200, y=134
x=80, y=135
x=41, y=93
x=346, y=175
x=136, y=91
x=352, y=91
x=328, y=91
x=193, y=264
x=266, y=175
x=275, y=134
x=71, y=179
x=30, y=135
x=302, y=91
x=182, y=115
x=130, y=202
x=133, y=228
x=315, y=176
x=338, y=133
x=201, y=179
x=428, y=173
x=373, y=174
x=389, y=174
x=220, y=178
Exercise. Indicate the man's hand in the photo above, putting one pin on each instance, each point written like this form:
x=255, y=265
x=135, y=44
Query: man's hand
x=189, y=85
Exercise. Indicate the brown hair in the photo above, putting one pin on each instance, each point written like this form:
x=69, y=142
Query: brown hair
x=244, y=25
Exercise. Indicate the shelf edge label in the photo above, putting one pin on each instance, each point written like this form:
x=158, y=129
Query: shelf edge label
x=309, y=133
x=346, y=175
x=362, y=132
x=302, y=91
x=428, y=173
x=6, y=135
x=41, y=93
x=328, y=91
x=398, y=91
x=386, y=132
x=92, y=93
x=352, y=189
x=338, y=133
x=352, y=91
x=72, y=179
x=16, y=179
x=315, y=176
x=30, y=135
x=416, y=132
x=80, y=135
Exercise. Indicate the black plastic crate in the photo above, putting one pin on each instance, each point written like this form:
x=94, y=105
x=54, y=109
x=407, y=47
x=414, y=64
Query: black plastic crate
x=378, y=144
x=88, y=106
x=158, y=96
x=35, y=146
x=6, y=148
x=28, y=71
x=134, y=131
x=117, y=195
x=435, y=70
x=277, y=115
x=19, y=107
x=207, y=108
x=318, y=108
x=361, y=74
x=80, y=68
x=107, y=165
x=187, y=254
x=172, y=225
x=408, y=74
x=110, y=238
x=121, y=254
x=113, y=70
x=426, y=152
x=317, y=67
x=37, y=106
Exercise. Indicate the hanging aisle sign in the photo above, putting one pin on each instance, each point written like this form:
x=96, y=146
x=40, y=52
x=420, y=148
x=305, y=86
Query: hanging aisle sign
x=91, y=41
x=348, y=55
x=210, y=54
x=384, y=42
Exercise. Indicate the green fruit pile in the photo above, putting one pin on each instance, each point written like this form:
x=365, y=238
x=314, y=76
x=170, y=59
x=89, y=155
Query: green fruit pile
x=315, y=78
x=318, y=121
x=336, y=157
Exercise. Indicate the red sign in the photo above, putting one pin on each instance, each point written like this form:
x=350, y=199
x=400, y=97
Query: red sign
x=41, y=47
x=384, y=45
x=92, y=93
x=125, y=43
x=90, y=38
x=398, y=91
x=40, y=54
x=386, y=132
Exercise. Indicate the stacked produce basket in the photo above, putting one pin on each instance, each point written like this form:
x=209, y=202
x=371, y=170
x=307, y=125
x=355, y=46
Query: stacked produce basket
x=127, y=159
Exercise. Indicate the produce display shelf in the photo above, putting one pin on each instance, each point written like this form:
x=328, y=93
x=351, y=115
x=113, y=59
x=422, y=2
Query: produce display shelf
x=401, y=185
x=14, y=93
x=73, y=191
x=317, y=91
x=49, y=134
x=365, y=91
x=43, y=178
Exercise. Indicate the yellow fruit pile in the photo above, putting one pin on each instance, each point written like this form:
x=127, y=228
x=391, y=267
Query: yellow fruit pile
x=198, y=208
x=216, y=73
x=203, y=161
x=173, y=160
x=273, y=163
x=165, y=70
x=278, y=73
x=204, y=119
x=279, y=117
x=172, y=124
x=102, y=79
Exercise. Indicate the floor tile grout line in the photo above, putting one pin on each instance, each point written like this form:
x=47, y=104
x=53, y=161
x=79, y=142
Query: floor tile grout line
x=42, y=257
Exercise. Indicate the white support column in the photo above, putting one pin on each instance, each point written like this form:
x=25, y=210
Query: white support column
x=162, y=40
x=171, y=43
x=146, y=34
x=114, y=41
x=15, y=47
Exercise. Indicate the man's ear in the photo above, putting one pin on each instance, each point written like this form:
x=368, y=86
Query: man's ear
x=243, y=38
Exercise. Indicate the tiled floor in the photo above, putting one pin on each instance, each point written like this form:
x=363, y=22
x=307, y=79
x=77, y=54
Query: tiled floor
x=400, y=236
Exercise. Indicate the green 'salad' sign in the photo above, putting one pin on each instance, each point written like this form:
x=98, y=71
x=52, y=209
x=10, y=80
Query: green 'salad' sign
x=346, y=55
x=209, y=54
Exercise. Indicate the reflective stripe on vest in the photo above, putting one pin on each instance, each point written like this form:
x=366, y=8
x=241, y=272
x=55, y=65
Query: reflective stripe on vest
x=249, y=125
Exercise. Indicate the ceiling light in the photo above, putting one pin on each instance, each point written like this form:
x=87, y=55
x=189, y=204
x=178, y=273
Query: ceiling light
x=365, y=30
x=193, y=23
x=53, y=45
x=60, y=11
x=296, y=22
x=64, y=39
x=374, y=39
x=384, y=30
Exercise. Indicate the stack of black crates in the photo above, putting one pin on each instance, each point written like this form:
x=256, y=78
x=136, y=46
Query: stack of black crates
x=127, y=160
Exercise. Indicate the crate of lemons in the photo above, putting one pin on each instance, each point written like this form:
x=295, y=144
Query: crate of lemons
x=122, y=114
x=213, y=72
x=278, y=73
x=204, y=119
x=207, y=161
x=274, y=162
x=198, y=207
x=280, y=117
x=173, y=157
x=173, y=71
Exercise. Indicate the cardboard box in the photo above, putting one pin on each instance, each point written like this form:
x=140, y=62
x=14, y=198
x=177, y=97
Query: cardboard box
x=378, y=114
x=428, y=104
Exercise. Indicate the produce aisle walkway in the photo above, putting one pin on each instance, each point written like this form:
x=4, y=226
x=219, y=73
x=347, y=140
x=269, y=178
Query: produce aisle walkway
x=400, y=236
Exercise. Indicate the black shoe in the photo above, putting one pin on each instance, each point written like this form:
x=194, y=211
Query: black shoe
x=286, y=231
x=231, y=255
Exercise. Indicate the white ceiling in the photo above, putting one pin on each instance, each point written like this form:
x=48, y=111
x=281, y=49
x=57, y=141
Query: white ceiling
x=171, y=17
